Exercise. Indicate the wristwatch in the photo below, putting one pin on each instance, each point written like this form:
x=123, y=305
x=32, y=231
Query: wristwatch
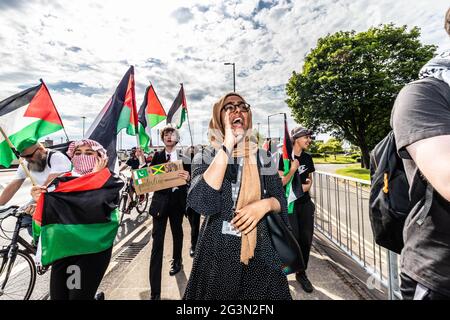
x=224, y=148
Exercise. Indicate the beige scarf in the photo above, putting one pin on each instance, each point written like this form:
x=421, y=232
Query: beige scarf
x=247, y=149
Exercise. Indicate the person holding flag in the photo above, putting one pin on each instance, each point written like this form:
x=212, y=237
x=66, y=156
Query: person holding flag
x=24, y=119
x=296, y=165
x=76, y=222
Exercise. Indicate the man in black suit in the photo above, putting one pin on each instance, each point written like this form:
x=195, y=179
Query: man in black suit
x=167, y=204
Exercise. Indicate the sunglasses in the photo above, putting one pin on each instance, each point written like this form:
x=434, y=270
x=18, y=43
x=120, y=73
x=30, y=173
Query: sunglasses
x=244, y=107
x=29, y=156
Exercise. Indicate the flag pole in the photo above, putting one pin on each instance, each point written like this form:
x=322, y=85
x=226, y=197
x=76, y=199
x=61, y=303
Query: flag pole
x=64, y=129
x=16, y=153
x=187, y=114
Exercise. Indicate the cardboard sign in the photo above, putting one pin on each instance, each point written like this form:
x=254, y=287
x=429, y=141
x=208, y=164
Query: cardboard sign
x=158, y=177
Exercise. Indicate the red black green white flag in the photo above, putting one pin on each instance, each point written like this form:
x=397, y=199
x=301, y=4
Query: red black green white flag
x=79, y=216
x=293, y=188
x=25, y=118
x=178, y=111
x=151, y=113
x=119, y=113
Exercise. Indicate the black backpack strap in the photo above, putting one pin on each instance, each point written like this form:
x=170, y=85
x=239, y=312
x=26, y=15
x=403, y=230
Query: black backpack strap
x=427, y=205
x=49, y=156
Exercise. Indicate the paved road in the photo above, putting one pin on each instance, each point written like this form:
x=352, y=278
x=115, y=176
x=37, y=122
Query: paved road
x=330, y=168
x=342, y=204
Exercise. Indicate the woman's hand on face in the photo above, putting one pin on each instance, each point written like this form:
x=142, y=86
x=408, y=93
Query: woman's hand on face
x=248, y=217
x=100, y=164
x=232, y=137
x=36, y=192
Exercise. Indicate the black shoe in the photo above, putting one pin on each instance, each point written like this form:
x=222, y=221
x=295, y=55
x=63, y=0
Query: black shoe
x=176, y=267
x=304, y=281
x=192, y=252
x=155, y=296
x=100, y=296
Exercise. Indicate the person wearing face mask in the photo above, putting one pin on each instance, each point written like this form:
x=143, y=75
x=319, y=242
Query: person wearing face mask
x=78, y=221
x=235, y=258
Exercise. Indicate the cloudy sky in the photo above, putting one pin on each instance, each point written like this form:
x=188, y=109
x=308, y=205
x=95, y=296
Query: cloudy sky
x=82, y=49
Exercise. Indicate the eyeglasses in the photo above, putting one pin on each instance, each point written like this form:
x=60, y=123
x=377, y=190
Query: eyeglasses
x=244, y=107
x=29, y=156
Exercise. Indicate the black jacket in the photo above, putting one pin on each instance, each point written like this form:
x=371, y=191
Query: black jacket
x=161, y=198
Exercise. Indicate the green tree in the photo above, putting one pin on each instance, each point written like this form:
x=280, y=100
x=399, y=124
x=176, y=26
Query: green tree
x=350, y=80
x=325, y=148
x=314, y=146
x=335, y=146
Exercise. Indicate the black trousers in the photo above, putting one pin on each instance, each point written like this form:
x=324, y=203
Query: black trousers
x=194, y=221
x=408, y=288
x=78, y=277
x=174, y=213
x=302, y=222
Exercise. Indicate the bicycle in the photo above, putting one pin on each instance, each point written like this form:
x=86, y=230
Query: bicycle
x=17, y=268
x=138, y=202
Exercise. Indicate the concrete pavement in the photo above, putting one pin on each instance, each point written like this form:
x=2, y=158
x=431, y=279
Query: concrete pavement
x=127, y=278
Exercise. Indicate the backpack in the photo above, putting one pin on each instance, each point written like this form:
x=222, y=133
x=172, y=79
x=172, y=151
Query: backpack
x=51, y=152
x=390, y=202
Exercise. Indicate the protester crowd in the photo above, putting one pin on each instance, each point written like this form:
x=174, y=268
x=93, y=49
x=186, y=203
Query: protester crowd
x=238, y=187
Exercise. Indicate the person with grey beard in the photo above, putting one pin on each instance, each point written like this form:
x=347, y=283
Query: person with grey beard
x=44, y=165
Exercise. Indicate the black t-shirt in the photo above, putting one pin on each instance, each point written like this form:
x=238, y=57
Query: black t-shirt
x=133, y=163
x=306, y=167
x=421, y=111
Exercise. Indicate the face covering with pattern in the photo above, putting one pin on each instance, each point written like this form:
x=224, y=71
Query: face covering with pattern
x=83, y=164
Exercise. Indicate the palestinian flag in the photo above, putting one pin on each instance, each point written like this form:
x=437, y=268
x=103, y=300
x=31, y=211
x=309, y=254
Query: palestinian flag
x=176, y=114
x=79, y=217
x=118, y=113
x=150, y=114
x=25, y=118
x=293, y=188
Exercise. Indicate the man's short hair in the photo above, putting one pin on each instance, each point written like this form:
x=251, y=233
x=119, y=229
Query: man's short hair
x=447, y=21
x=170, y=128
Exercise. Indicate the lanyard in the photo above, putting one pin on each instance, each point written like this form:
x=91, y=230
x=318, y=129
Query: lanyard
x=235, y=187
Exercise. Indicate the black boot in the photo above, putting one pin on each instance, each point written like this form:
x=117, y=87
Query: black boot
x=155, y=296
x=304, y=282
x=176, y=267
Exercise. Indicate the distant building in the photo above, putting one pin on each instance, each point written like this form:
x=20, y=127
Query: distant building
x=48, y=143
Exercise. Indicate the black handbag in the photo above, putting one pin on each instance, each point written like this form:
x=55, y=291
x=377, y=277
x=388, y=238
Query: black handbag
x=285, y=244
x=283, y=240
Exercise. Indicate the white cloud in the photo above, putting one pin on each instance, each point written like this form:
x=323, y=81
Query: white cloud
x=84, y=47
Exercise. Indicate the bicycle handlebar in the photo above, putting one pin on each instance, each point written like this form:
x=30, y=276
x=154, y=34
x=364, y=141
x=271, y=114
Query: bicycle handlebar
x=10, y=211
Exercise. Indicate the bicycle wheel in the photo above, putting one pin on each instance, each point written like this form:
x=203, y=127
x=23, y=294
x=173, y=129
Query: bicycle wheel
x=123, y=206
x=17, y=276
x=142, y=204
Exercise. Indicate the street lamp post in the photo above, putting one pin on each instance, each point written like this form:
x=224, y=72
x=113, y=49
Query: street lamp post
x=84, y=119
x=268, y=121
x=234, y=74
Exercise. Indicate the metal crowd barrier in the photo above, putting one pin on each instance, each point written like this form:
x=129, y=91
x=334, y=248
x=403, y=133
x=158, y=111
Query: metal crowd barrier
x=342, y=215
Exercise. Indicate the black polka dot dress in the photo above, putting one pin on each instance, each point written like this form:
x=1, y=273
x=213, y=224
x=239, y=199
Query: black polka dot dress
x=217, y=272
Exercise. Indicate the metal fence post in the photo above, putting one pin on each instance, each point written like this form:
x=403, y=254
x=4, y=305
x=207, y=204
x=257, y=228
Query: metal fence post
x=394, y=288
